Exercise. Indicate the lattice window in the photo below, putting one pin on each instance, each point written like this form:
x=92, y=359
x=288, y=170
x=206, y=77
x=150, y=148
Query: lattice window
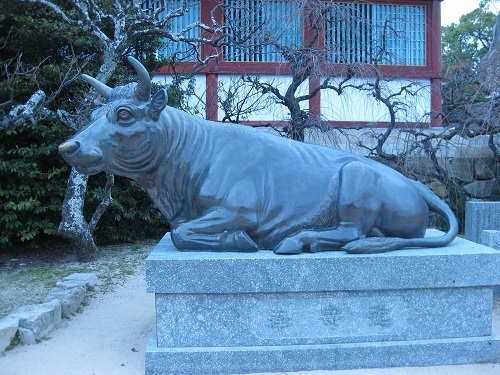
x=177, y=25
x=404, y=34
x=368, y=33
x=260, y=25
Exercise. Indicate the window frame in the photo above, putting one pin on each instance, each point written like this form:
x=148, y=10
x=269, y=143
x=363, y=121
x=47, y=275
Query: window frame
x=431, y=69
x=271, y=50
x=359, y=38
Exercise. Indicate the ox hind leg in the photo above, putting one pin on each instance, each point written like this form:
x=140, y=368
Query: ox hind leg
x=217, y=230
x=314, y=241
x=358, y=209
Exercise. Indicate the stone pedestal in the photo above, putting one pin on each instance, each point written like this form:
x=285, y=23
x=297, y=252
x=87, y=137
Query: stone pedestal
x=233, y=313
x=480, y=216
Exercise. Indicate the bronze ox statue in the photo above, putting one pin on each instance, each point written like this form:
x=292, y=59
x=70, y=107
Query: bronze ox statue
x=227, y=187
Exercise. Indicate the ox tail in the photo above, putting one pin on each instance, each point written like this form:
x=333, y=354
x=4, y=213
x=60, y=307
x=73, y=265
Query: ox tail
x=386, y=244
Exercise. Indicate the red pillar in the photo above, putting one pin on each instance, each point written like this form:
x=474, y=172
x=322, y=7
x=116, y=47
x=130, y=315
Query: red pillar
x=434, y=36
x=212, y=97
x=209, y=9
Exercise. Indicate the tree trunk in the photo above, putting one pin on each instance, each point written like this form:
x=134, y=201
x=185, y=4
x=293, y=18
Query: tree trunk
x=297, y=122
x=73, y=224
x=110, y=61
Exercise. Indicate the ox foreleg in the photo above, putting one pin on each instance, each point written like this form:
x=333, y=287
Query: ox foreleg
x=218, y=230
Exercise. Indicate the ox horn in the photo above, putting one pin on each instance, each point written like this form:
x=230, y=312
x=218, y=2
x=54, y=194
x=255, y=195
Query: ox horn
x=143, y=89
x=99, y=86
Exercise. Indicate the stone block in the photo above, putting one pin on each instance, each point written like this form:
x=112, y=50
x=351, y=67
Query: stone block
x=490, y=238
x=8, y=329
x=481, y=216
x=482, y=189
x=308, y=318
x=423, y=168
x=170, y=271
x=26, y=336
x=484, y=168
x=462, y=169
x=77, y=280
x=71, y=299
x=234, y=313
x=40, y=319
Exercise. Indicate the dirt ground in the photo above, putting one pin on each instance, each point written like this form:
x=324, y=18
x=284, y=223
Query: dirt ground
x=27, y=275
x=110, y=334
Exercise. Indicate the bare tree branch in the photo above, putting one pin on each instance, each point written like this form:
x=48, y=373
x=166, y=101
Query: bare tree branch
x=36, y=107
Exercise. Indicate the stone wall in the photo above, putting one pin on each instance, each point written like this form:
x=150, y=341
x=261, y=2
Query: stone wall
x=475, y=167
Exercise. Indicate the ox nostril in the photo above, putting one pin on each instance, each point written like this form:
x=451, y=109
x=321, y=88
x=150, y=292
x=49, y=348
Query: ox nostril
x=69, y=147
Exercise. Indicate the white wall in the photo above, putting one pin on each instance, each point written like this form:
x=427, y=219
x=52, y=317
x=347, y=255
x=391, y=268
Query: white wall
x=352, y=105
x=196, y=102
x=355, y=105
x=269, y=110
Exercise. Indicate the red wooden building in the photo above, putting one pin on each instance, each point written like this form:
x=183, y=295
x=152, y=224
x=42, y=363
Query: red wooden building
x=410, y=31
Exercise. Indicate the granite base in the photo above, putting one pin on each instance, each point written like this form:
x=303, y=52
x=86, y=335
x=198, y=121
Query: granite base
x=291, y=358
x=233, y=313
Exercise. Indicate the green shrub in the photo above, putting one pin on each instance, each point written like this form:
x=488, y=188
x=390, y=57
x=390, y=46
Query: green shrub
x=33, y=176
x=32, y=182
x=131, y=216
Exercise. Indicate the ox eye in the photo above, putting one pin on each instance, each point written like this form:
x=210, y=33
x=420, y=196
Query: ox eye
x=125, y=116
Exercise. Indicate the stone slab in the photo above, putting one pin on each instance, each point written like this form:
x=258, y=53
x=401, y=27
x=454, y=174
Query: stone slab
x=78, y=280
x=40, y=319
x=491, y=238
x=245, y=360
x=86, y=279
x=8, y=329
x=322, y=317
x=481, y=216
x=460, y=264
x=70, y=298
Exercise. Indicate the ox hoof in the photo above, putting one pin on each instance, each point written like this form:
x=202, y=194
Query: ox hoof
x=289, y=246
x=240, y=241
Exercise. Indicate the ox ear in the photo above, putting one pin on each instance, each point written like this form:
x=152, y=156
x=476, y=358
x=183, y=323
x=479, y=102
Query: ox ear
x=158, y=104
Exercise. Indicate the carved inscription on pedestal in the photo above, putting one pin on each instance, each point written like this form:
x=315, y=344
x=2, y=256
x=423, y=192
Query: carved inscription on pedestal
x=279, y=319
x=380, y=315
x=330, y=315
x=341, y=316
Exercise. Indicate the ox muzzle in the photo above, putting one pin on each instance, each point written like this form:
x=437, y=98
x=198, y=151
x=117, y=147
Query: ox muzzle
x=87, y=162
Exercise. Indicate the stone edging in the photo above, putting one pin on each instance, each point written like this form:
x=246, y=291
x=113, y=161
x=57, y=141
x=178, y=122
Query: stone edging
x=32, y=323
